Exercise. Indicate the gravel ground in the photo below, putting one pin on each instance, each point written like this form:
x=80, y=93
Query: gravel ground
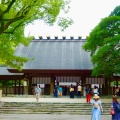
x=49, y=117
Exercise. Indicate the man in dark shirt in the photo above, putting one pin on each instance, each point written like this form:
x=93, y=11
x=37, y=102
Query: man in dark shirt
x=55, y=91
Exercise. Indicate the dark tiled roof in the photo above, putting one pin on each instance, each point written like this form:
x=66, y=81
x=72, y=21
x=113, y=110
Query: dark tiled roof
x=56, y=54
x=4, y=71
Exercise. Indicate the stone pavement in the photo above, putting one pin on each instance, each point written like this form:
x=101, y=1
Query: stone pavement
x=49, y=116
x=50, y=99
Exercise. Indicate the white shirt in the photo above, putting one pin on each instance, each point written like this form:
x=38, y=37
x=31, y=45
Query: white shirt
x=79, y=88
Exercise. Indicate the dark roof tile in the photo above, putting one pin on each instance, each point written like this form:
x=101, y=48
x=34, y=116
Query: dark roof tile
x=55, y=54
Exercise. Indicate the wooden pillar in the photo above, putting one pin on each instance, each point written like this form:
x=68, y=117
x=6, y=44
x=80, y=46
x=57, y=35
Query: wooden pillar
x=52, y=82
x=19, y=88
x=109, y=88
x=106, y=87
x=116, y=82
x=30, y=86
x=83, y=82
x=0, y=95
x=83, y=79
x=51, y=87
x=15, y=88
x=5, y=87
x=26, y=87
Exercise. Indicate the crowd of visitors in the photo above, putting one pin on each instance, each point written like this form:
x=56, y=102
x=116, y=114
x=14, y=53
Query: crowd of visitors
x=97, y=108
x=77, y=91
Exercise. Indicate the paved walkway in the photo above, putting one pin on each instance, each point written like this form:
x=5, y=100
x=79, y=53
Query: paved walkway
x=49, y=99
x=49, y=116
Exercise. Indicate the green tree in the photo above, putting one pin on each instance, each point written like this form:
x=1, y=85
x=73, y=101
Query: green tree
x=15, y=15
x=104, y=45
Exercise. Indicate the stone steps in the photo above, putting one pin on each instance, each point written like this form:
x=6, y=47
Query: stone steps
x=50, y=108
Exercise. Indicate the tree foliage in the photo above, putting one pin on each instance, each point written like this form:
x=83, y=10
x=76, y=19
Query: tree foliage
x=104, y=45
x=15, y=15
x=10, y=82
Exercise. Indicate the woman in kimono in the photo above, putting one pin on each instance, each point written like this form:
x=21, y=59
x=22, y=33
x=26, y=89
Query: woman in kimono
x=96, y=108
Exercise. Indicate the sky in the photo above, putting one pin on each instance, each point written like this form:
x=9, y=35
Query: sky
x=86, y=14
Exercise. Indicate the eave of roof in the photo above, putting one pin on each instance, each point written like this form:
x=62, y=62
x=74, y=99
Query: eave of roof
x=49, y=71
x=4, y=71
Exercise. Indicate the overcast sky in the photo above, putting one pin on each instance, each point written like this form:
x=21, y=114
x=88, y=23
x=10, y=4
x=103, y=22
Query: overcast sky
x=86, y=14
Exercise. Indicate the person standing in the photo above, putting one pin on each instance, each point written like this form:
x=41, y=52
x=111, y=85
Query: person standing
x=60, y=90
x=84, y=91
x=65, y=90
x=115, y=116
x=96, y=108
x=37, y=92
x=71, y=91
x=95, y=90
x=88, y=94
x=79, y=89
x=55, y=91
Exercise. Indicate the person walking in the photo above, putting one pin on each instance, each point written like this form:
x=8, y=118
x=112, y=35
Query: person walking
x=37, y=92
x=96, y=108
x=114, y=107
x=88, y=94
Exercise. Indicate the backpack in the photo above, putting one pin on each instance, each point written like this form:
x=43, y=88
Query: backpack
x=118, y=107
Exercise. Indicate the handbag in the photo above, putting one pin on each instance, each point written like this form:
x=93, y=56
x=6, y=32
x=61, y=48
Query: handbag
x=112, y=112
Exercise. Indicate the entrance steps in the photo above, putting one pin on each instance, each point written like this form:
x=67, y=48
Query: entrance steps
x=50, y=108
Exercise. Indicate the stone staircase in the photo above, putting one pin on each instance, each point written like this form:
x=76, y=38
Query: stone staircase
x=50, y=108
